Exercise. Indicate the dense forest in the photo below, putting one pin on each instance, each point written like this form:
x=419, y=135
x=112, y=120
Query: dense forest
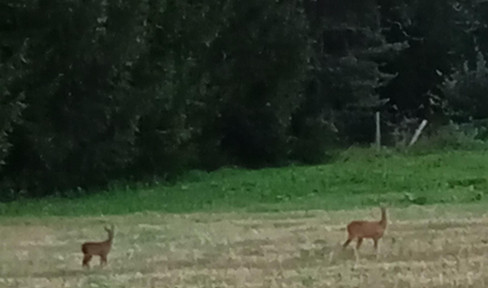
x=93, y=91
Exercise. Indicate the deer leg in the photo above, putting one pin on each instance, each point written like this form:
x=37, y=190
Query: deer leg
x=376, y=248
x=356, y=255
x=86, y=260
x=346, y=243
x=358, y=244
x=103, y=260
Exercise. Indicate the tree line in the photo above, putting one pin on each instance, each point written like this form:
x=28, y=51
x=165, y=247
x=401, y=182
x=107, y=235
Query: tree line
x=93, y=91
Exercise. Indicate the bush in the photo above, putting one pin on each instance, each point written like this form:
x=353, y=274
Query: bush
x=466, y=91
x=452, y=136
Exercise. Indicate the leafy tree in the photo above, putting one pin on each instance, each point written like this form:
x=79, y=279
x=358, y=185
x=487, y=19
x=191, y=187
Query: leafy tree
x=437, y=33
x=177, y=95
x=261, y=55
x=80, y=122
x=12, y=70
x=349, y=50
x=466, y=91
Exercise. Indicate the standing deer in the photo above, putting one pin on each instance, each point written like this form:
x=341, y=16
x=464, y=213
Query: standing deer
x=366, y=229
x=101, y=249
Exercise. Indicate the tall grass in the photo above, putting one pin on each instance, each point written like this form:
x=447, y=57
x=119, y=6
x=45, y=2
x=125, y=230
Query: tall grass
x=357, y=177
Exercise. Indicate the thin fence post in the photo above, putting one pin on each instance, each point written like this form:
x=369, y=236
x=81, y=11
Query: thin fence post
x=418, y=132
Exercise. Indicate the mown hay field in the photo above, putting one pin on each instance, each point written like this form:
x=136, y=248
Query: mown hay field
x=428, y=246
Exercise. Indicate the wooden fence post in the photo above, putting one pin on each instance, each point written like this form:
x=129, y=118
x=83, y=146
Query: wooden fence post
x=418, y=132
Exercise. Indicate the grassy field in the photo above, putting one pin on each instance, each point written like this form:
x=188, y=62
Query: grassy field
x=269, y=228
x=357, y=178
x=424, y=246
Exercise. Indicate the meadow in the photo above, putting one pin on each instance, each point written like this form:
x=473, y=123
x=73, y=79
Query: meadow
x=356, y=178
x=424, y=246
x=279, y=227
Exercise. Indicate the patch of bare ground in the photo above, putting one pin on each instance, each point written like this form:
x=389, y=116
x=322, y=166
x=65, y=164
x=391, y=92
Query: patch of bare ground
x=423, y=247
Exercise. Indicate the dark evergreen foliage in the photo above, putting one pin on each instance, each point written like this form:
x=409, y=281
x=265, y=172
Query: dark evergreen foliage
x=96, y=91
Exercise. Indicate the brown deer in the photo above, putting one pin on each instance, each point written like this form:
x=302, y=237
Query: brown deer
x=366, y=229
x=101, y=249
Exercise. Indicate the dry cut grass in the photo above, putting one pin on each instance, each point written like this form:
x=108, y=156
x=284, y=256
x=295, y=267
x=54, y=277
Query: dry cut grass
x=443, y=246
